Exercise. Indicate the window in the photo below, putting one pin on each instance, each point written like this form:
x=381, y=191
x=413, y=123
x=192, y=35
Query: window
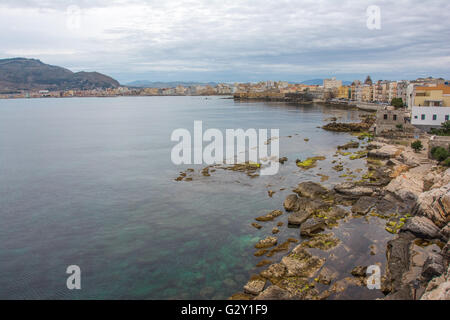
x=447, y=117
x=395, y=117
x=416, y=117
x=385, y=117
x=423, y=117
x=434, y=117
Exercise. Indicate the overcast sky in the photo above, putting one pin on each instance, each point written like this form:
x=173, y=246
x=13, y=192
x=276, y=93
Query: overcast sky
x=231, y=40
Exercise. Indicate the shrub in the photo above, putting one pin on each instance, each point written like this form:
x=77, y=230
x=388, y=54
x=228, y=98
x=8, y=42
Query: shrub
x=446, y=162
x=417, y=145
x=440, y=153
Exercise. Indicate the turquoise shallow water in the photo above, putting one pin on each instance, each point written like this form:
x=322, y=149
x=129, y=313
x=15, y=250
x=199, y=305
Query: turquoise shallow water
x=89, y=182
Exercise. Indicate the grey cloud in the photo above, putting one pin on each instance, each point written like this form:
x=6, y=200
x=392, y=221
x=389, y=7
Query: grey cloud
x=215, y=40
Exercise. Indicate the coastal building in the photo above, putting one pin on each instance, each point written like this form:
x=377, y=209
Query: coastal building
x=332, y=83
x=390, y=119
x=392, y=91
x=430, y=105
x=344, y=92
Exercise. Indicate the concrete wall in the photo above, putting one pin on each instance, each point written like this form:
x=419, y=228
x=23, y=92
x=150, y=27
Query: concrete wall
x=429, y=112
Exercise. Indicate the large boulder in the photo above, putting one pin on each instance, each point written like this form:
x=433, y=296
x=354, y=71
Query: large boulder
x=435, y=205
x=385, y=152
x=422, y=227
x=298, y=218
x=433, y=266
x=408, y=186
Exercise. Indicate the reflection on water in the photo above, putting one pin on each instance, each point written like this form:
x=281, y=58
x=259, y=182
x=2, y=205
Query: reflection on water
x=90, y=182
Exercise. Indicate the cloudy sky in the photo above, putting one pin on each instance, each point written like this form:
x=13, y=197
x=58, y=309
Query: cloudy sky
x=231, y=40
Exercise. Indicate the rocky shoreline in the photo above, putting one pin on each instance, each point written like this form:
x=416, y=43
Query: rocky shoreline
x=408, y=191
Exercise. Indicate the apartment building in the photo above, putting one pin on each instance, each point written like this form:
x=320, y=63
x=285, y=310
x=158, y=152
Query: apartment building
x=430, y=105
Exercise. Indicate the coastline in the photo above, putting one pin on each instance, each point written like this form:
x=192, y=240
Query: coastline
x=404, y=189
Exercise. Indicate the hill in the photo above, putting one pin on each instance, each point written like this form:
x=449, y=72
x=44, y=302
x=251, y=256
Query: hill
x=29, y=74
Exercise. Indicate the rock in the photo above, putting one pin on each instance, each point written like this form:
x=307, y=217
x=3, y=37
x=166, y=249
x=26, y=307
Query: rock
x=363, y=205
x=352, y=190
x=274, y=272
x=254, y=287
x=300, y=263
x=270, y=216
x=326, y=276
x=336, y=212
x=291, y=203
x=266, y=243
x=385, y=152
x=275, y=231
x=446, y=250
x=256, y=225
x=350, y=145
x=408, y=186
x=298, y=218
x=229, y=282
x=310, y=190
x=274, y=293
x=271, y=193
x=375, y=145
x=440, y=293
x=433, y=267
x=398, y=256
x=435, y=205
x=359, y=271
x=312, y=226
x=422, y=227
x=283, y=160
x=263, y=263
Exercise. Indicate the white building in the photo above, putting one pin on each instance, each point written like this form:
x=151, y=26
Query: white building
x=332, y=83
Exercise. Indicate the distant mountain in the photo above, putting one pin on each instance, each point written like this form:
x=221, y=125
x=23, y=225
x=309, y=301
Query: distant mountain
x=319, y=82
x=150, y=84
x=27, y=74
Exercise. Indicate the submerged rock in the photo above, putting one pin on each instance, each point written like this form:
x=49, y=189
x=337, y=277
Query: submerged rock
x=350, y=145
x=270, y=216
x=266, y=243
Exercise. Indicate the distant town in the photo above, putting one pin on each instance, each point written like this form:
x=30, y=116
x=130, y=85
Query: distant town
x=410, y=95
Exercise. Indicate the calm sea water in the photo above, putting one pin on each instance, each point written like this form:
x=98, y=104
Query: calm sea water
x=90, y=182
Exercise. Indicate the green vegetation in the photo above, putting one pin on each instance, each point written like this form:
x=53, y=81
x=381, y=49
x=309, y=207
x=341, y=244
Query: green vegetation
x=397, y=103
x=443, y=131
x=417, y=145
x=442, y=155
